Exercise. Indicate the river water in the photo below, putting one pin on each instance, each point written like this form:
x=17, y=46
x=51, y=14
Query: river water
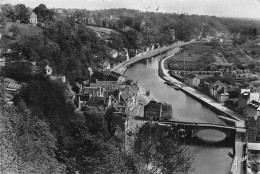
x=208, y=160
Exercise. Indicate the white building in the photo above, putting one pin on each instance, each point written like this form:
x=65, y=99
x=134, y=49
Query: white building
x=48, y=70
x=33, y=18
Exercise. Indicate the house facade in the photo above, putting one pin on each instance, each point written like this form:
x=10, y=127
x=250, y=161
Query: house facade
x=2, y=62
x=33, y=18
x=192, y=80
x=253, y=109
x=244, y=99
x=48, y=70
x=157, y=111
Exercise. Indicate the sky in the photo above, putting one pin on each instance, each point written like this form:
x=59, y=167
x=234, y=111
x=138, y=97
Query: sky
x=221, y=8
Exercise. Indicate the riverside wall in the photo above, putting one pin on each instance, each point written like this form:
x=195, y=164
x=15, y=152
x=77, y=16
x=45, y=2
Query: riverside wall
x=198, y=97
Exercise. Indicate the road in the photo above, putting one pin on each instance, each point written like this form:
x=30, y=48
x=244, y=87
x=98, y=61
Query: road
x=122, y=66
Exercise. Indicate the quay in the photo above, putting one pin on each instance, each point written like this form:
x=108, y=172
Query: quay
x=238, y=119
x=202, y=98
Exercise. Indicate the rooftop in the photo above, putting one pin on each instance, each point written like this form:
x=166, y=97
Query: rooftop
x=254, y=104
x=245, y=95
x=191, y=76
x=153, y=106
x=125, y=95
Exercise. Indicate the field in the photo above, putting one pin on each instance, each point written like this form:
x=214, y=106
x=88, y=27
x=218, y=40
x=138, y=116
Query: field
x=102, y=30
x=194, y=57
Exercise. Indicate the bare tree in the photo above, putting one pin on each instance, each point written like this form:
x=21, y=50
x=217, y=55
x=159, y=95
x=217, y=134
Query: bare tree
x=161, y=151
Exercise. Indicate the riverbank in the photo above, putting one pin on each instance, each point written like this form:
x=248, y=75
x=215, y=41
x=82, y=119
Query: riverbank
x=202, y=98
x=236, y=167
x=121, y=68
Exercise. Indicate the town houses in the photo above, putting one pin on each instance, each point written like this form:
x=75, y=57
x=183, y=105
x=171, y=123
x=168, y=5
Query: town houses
x=120, y=94
x=157, y=111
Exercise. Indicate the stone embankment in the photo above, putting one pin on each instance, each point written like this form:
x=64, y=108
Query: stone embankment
x=202, y=98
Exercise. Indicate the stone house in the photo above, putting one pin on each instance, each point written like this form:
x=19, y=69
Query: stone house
x=97, y=102
x=220, y=65
x=166, y=111
x=208, y=82
x=2, y=62
x=33, y=18
x=253, y=129
x=192, y=80
x=61, y=78
x=11, y=85
x=48, y=70
x=222, y=95
x=94, y=91
x=157, y=111
x=253, y=109
x=216, y=88
x=244, y=99
x=127, y=99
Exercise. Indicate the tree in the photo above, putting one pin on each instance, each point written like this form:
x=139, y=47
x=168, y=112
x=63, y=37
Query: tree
x=228, y=79
x=254, y=32
x=15, y=30
x=3, y=20
x=43, y=13
x=128, y=21
x=22, y=12
x=18, y=71
x=161, y=151
x=35, y=145
x=8, y=11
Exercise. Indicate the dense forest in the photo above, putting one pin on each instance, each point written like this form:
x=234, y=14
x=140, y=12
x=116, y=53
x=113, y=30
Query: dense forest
x=42, y=131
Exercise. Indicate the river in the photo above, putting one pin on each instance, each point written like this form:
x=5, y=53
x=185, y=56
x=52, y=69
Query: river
x=208, y=160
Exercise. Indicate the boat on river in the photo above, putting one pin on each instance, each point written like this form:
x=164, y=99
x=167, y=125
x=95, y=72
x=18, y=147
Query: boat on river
x=168, y=83
x=176, y=86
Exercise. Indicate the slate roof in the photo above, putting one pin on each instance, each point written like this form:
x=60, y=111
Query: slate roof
x=153, y=106
x=89, y=90
x=125, y=95
x=191, y=76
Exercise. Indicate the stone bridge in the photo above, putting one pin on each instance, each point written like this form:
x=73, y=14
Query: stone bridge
x=188, y=129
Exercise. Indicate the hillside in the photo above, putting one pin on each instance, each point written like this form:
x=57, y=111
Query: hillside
x=47, y=133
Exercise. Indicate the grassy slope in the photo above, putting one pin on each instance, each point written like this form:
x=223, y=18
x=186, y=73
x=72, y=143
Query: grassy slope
x=103, y=30
x=192, y=54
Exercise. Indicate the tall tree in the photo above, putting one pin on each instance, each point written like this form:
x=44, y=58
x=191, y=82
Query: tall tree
x=22, y=12
x=43, y=13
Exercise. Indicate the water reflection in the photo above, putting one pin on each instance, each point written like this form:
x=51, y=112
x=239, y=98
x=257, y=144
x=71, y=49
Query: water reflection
x=210, y=135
